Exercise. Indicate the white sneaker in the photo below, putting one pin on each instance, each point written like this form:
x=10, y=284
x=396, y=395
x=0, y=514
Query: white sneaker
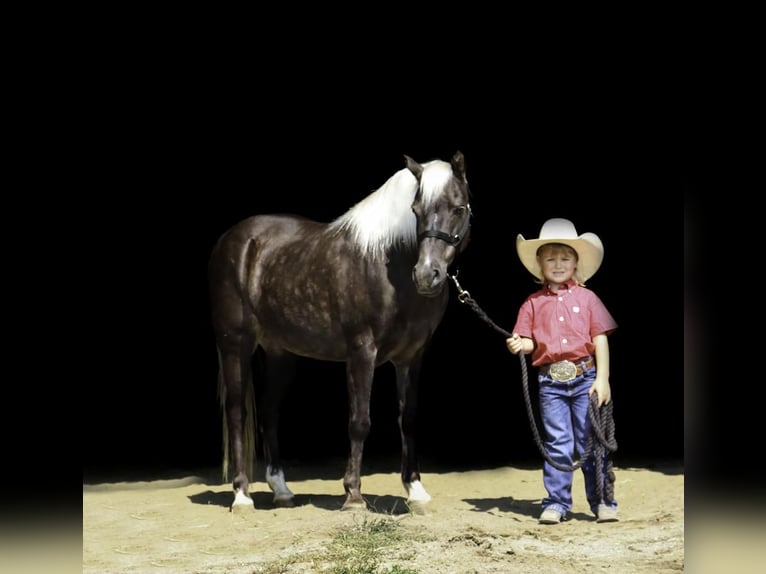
x=550, y=516
x=606, y=513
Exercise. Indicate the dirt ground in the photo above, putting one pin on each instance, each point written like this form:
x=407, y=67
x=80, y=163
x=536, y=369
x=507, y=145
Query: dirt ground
x=479, y=521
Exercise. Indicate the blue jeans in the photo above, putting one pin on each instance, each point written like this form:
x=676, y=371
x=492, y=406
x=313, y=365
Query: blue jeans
x=564, y=413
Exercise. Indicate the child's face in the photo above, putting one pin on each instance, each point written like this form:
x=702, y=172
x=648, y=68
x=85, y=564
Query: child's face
x=558, y=263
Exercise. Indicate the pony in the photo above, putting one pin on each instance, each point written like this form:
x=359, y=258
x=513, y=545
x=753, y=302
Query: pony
x=366, y=289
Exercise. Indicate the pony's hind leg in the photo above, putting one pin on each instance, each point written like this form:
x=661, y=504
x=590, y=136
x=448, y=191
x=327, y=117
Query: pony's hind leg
x=406, y=385
x=279, y=370
x=235, y=341
x=236, y=390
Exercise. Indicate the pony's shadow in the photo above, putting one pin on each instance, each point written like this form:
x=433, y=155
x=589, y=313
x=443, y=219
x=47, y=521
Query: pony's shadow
x=387, y=504
x=508, y=505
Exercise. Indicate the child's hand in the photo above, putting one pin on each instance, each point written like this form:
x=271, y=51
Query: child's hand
x=514, y=343
x=602, y=389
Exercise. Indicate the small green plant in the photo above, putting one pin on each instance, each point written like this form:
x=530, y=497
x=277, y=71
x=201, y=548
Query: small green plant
x=357, y=549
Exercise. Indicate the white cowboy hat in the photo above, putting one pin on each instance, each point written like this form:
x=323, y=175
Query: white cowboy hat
x=590, y=250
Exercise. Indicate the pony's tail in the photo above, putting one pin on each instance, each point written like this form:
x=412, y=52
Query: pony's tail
x=249, y=435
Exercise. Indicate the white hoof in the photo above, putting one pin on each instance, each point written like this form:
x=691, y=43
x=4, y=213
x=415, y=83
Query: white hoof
x=242, y=503
x=416, y=493
x=417, y=497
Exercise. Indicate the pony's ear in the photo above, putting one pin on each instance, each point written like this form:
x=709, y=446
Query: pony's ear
x=458, y=165
x=414, y=167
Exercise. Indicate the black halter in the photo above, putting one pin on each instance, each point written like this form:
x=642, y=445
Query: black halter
x=453, y=240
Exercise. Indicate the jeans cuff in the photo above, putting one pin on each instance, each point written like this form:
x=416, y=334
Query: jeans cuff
x=557, y=507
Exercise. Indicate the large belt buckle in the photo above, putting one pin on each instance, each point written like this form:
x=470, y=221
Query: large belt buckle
x=563, y=371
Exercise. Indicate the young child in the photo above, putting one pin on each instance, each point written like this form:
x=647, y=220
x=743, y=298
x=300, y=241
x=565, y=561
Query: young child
x=564, y=326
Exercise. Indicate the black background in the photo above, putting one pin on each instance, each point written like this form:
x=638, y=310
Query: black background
x=190, y=149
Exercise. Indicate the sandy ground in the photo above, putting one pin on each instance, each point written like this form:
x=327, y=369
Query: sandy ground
x=478, y=521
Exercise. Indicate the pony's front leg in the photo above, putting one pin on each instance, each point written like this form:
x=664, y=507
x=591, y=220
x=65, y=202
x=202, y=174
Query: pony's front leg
x=407, y=391
x=359, y=373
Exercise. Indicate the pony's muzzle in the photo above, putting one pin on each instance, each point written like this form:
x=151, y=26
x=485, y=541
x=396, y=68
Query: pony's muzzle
x=429, y=279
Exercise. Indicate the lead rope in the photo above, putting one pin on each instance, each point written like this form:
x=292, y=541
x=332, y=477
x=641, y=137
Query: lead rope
x=602, y=419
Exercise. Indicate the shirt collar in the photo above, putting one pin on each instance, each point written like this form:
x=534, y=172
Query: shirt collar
x=569, y=285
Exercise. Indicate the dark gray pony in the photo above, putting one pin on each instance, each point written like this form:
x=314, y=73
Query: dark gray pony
x=368, y=288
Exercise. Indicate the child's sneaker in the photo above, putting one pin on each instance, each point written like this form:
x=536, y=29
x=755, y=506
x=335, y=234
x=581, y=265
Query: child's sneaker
x=550, y=516
x=606, y=513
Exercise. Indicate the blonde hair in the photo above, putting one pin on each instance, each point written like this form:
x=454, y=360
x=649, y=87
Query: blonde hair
x=556, y=247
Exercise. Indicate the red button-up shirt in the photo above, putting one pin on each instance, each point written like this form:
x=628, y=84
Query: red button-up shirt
x=563, y=323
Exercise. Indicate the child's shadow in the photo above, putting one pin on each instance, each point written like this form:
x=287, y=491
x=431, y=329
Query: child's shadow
x=510, y=505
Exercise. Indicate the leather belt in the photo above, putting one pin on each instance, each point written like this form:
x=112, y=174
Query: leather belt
x=565, y=371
